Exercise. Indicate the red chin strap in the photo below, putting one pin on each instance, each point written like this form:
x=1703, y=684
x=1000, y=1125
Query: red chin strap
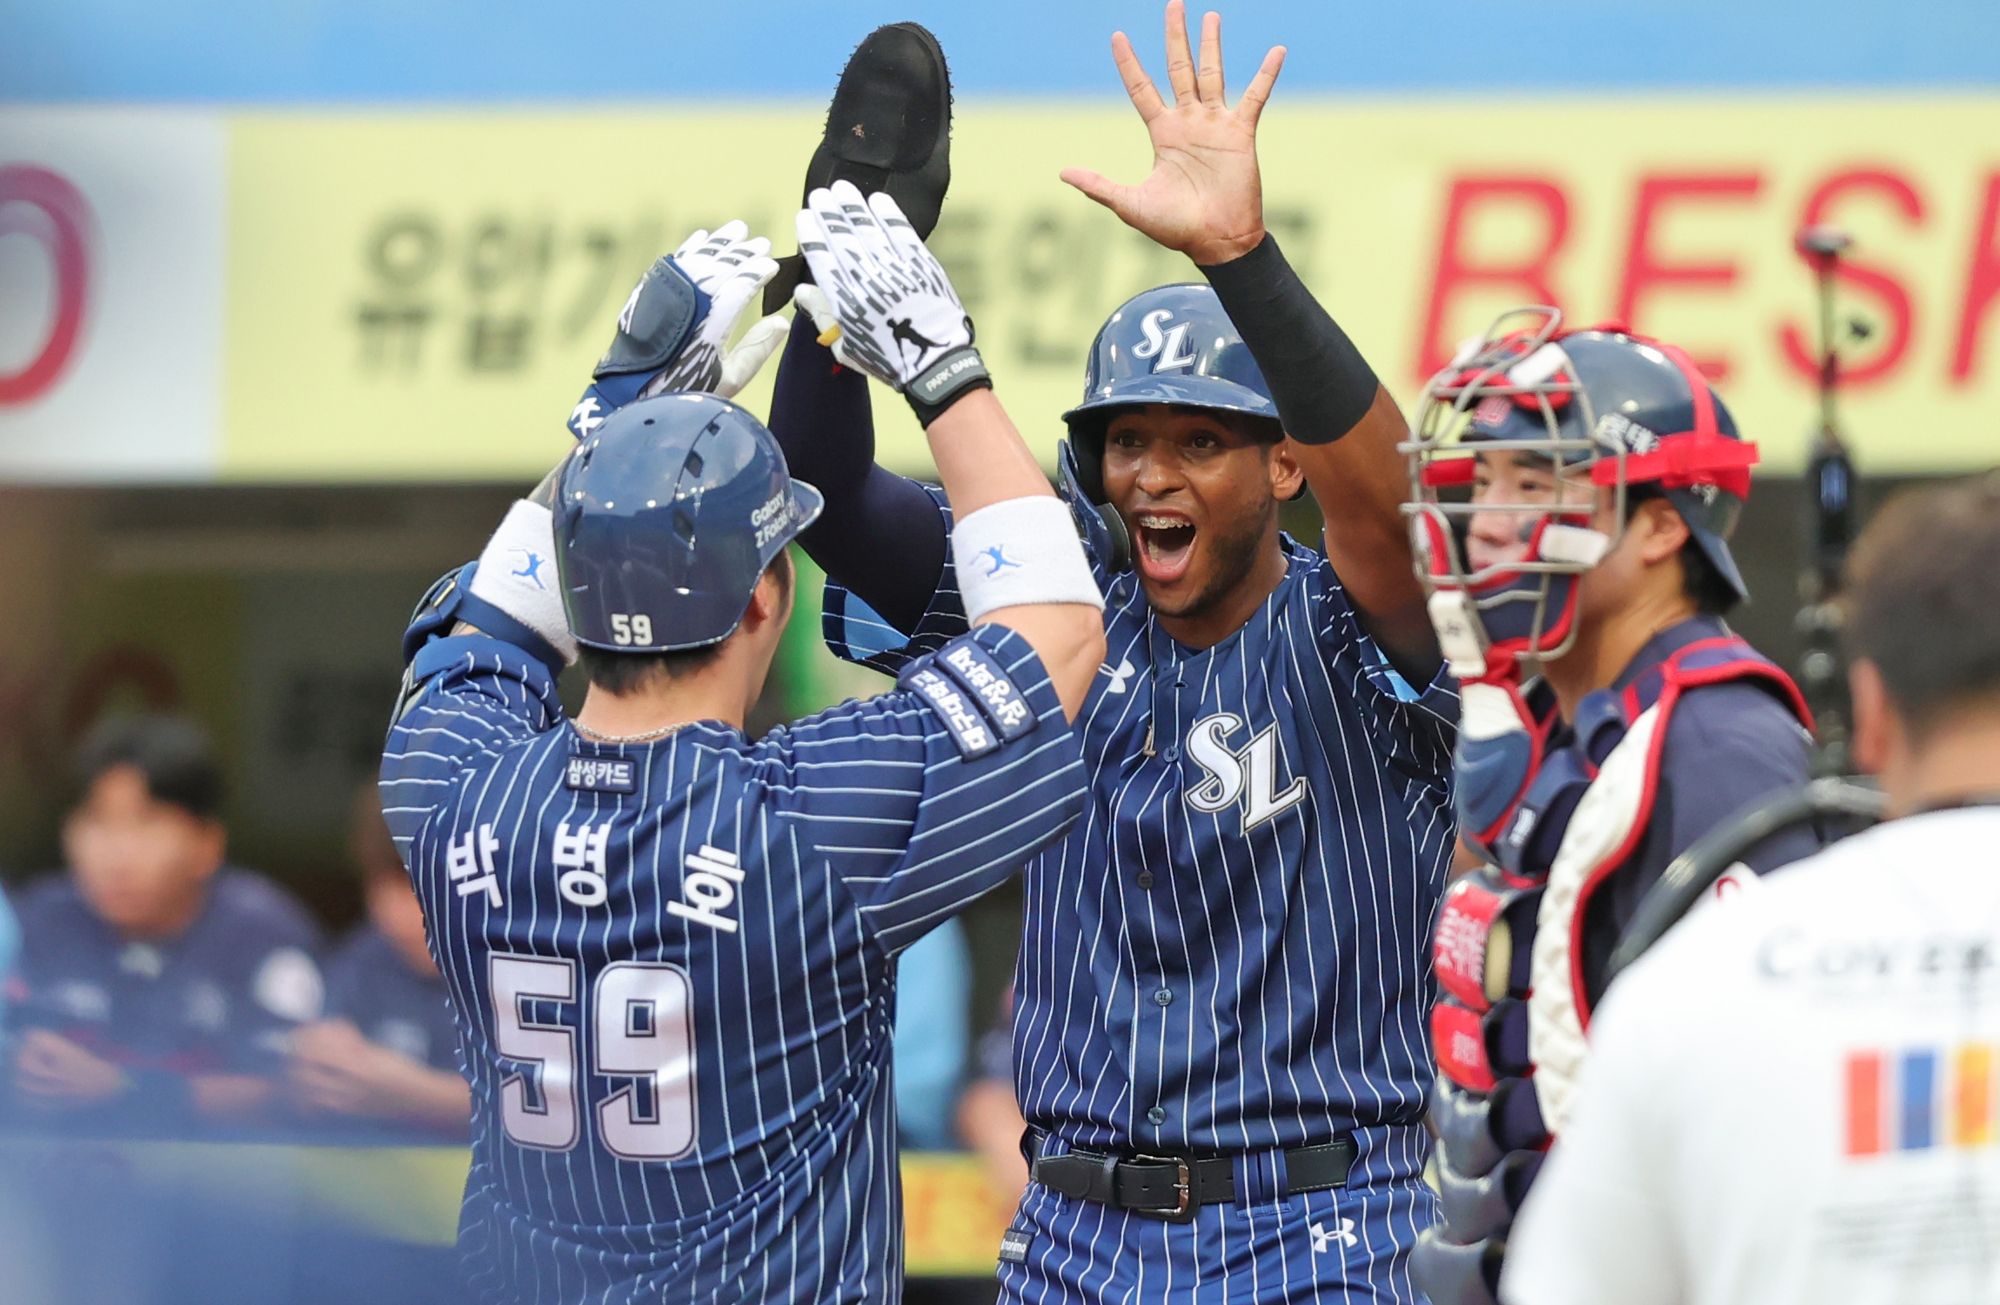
x=1507, y=576
x=1506, y=647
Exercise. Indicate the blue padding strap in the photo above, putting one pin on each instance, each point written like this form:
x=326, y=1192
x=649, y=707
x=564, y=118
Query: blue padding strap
x=449, y=601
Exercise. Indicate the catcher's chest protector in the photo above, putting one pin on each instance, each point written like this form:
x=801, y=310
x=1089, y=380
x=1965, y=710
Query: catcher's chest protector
x=1510, y=1029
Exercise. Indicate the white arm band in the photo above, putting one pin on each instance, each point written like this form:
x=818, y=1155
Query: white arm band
x=517, y=574
x=1018, y=551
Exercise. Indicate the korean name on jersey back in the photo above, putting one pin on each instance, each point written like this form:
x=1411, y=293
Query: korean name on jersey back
x=676, y=1004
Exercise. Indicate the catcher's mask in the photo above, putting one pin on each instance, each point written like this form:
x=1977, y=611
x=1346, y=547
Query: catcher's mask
x=1607, y=410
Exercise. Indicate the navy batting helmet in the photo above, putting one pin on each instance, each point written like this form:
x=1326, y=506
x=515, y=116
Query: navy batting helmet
x=1173, y=345
x=666, y=517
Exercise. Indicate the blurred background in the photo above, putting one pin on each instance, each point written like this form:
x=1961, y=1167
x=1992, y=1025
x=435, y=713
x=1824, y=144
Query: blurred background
x=295, y=297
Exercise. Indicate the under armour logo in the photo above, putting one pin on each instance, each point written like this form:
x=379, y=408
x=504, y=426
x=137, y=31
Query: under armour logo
x=1324, y=1237
x=583, y=418
x=1168, y=348
x=1118, y=676
x=997, y=560
x=531, y=567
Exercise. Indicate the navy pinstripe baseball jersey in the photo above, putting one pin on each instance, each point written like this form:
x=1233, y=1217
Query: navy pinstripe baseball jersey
x=672, y=963
x=1230, y=951
x=222, y=997
x=369, y=984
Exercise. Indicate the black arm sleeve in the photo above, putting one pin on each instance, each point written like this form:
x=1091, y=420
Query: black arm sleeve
x=881, y=534
x=1322, y=384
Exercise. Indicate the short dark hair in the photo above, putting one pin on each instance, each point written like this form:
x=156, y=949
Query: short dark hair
x=1712, y=595
x=1700, y=581
x=172, y=752
x=625, y=673
x=1923, y=601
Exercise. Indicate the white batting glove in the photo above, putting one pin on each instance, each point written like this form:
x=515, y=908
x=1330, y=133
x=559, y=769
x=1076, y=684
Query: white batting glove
x=672, y=338
x=730, y=266
x=741, y=364
x=900, y=320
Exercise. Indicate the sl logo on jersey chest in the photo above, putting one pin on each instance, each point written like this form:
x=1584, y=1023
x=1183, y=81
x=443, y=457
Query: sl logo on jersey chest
x=1248, y=774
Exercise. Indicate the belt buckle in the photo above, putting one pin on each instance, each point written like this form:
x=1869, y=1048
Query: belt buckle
x=1184, y=1208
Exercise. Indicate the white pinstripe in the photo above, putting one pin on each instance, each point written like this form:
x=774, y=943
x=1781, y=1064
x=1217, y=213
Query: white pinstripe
x=793, y=1109
x=1296, y=1014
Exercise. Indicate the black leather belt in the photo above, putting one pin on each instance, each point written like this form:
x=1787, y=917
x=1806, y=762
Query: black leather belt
x=1172, y=1187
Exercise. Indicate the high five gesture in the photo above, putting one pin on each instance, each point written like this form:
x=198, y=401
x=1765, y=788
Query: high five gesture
x=1203, y=196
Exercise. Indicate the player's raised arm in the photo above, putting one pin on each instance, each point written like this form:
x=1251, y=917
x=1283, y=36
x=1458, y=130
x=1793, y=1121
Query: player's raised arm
x=486, y=644
x=1020, y=562
x=1204, y=197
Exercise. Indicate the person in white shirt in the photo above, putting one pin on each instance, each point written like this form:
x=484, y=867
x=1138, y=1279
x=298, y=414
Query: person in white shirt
x=1796, y=1096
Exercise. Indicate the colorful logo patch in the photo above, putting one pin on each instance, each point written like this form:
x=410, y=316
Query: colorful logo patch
x=1922, y=1097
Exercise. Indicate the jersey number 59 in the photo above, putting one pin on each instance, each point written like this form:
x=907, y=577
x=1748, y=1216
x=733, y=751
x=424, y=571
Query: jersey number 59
x=635, y=628
x=640, y=1027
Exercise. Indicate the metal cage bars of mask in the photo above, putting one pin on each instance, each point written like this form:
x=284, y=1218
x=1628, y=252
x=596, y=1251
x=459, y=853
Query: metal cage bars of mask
x=1519, y=360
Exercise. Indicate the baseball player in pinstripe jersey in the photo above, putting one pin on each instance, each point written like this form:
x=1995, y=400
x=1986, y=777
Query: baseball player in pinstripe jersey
x=671, y=949
x=1220, y=1041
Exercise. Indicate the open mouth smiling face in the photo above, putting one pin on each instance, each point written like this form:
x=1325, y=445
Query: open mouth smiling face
x=1195, y=490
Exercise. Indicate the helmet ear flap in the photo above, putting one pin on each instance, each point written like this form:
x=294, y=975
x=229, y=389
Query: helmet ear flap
x=1096, y=520
x=1080, y=461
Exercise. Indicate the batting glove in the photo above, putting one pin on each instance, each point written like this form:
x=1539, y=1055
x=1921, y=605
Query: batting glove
x=900, y=321
x=674, y=331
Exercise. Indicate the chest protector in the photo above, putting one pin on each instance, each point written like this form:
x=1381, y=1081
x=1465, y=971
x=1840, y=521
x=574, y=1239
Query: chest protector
x=1560, y=817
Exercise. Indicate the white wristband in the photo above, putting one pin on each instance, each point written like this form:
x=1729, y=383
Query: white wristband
x=1021, y=550
x=517, y=574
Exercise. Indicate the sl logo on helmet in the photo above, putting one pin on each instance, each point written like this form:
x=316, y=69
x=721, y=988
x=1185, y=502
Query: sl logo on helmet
x=1168, y=348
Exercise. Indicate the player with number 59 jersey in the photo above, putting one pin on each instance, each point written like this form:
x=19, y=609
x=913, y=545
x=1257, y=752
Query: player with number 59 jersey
x=671, y=948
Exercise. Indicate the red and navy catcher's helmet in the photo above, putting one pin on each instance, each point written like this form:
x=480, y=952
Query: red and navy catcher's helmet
x=1609, y=409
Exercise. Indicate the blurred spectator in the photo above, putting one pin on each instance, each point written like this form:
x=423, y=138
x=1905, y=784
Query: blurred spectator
x=933, y=1031
x=386, y=1053
x=157, y=986
x=989, y=1117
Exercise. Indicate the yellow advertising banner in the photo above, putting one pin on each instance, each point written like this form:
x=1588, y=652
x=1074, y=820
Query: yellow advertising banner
x=421, y=295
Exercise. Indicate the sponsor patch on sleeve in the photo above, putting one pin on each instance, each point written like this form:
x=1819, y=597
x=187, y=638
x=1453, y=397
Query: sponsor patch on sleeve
x=601, y=774
x=980, y=675
x=974, y=697
x=975, y=738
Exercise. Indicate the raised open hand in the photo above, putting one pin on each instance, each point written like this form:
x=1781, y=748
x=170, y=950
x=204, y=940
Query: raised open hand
x=1204, y=196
